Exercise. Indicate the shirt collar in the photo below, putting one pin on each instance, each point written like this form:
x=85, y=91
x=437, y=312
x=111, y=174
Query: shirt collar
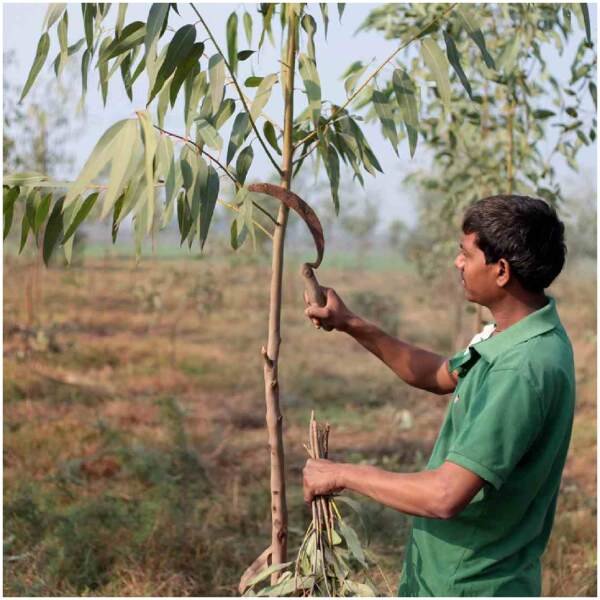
x=538, y=322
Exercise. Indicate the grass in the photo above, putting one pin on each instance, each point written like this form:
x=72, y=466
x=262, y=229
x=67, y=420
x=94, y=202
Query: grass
x=134, y=440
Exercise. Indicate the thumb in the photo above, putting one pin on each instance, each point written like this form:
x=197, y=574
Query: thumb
x=319, y=312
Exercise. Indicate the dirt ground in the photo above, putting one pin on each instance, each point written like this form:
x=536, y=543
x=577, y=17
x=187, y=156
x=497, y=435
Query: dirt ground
x=135, y=458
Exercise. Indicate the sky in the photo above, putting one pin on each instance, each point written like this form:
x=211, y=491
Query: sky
x=22, y=25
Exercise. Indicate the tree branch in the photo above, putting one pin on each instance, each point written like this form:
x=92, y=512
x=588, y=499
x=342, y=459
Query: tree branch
x=202, y=151
x=225, y=169
x=239, y=90
x=334, y=113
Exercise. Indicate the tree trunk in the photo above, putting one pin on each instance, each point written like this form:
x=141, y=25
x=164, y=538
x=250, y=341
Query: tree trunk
x=279, y=517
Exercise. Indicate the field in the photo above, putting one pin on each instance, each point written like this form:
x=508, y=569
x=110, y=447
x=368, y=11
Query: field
x=135, y=459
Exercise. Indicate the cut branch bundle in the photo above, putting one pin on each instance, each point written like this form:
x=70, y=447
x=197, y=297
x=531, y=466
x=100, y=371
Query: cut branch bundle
x=330, y=554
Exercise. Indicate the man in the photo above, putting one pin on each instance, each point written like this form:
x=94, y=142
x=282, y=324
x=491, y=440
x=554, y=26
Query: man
x=485, y=504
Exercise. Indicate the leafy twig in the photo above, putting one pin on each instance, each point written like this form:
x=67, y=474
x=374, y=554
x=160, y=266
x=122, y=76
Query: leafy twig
x=313, y=134
x=237, y=86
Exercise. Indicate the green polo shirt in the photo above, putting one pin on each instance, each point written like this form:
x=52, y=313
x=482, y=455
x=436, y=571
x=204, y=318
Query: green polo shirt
x=509, y=421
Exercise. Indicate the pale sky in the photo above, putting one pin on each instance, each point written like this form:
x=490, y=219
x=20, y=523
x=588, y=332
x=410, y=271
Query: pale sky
x=22, y=26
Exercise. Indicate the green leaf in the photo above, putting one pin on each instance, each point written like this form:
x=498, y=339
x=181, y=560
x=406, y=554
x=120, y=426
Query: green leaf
x=543, y=114
x=310, y=26
x=85, y=64
x=38, y=62
x=267, y=572
x=184, y=67
x=406, y=94
x=25, y=228
x=62, y=30
x=209, y=200
x=195, y=87
x=42, y=212
x=157, y=19
x=470, y=24
x=81, y=214
x=243, y=162
x=181, y=45
x=352, y=542
x=209, y=134
x=586, y=19
x=263, y=93
x=352, y=75
x=248, y=27
x=99, y=158
x=312, y=85
x=53, y=13
x=593, y=92
x=131, y=36
x=231, y=28
x=121, y=163
x=271, y=136
x=89, y=12
x=30, y=206
x=325, y=14
x=240, y=130
x=184, y=217
x=245, y=54
x=508, y=58
x=103, y=70
x=53, y=231
x=355, y=588
x=253, y=81
x=150, y=145
x=243, y=199
x=438, y=66
x=10, y=197
x=120, y=18
x=384, y=112
x=216, y=76
x=225, y=111
x=454, y=59
x=237, y=234
x=332, y=166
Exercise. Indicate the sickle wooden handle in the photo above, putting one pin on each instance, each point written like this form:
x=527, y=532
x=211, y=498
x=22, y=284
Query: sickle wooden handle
x=314, y=291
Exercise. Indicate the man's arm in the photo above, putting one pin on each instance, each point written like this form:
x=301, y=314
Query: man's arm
x=439, y=493
x=417, y=367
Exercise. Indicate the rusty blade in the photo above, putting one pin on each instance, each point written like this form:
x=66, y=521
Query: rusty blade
x=307, y=214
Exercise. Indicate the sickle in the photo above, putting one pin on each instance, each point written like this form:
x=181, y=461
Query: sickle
x=307, y=214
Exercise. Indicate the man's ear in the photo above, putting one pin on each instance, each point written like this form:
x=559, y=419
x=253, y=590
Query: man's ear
x=504, y=272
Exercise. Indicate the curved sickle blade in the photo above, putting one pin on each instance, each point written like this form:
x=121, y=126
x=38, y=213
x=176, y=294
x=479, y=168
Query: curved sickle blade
x=307, y=214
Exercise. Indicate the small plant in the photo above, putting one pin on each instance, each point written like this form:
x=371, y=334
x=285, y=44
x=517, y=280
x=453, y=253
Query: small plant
x=330, y=556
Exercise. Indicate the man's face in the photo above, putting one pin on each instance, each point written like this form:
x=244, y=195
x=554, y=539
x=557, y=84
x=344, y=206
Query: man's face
x=478, y=279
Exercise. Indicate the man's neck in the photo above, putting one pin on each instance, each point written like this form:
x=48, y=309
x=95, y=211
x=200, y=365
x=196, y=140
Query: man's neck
x=512, y=308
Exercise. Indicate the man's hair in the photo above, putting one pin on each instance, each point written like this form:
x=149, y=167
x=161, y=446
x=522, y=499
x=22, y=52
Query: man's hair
x=525, y=231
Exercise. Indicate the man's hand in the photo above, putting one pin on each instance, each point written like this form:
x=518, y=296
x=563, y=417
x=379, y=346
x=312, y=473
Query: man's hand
x=321, y=477
x=334, y=314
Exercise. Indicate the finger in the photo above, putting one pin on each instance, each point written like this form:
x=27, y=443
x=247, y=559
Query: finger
x=316, y=323
x=318, y=312
x=306, y=298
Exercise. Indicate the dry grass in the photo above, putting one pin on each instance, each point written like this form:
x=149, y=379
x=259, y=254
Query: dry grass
x=134, y=446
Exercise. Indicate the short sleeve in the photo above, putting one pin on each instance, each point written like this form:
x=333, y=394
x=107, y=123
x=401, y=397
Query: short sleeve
x=500, y=423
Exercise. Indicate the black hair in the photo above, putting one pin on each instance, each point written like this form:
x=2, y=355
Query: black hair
x=525, y=231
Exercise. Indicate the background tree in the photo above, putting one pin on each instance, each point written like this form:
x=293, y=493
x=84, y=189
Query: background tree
x=509, y=118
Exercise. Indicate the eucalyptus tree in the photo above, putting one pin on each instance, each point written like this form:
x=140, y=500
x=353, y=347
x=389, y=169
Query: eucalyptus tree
x=510, y=118
x=149, y=181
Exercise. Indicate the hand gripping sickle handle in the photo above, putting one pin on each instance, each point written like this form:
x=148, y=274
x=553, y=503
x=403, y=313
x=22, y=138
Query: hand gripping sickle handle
x=314, y=291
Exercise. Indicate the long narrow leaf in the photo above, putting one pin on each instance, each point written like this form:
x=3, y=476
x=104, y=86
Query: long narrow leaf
x=312, y=85
x=232, y=28
x=406, y=94
x=263, y=93
x=80, y=216
x=150, y=145
x=470, y=24
x=454, y=59
x=209, y=200
x=216, y=75
x=53, y=231
x=384, y=112
x=438, y=66
x=38, y=62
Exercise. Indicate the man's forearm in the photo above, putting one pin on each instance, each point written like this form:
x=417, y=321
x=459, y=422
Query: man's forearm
x=420, y=494
x=417, y=367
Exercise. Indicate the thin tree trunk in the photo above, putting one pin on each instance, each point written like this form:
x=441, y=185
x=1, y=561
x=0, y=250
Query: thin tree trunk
x=279, y=517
